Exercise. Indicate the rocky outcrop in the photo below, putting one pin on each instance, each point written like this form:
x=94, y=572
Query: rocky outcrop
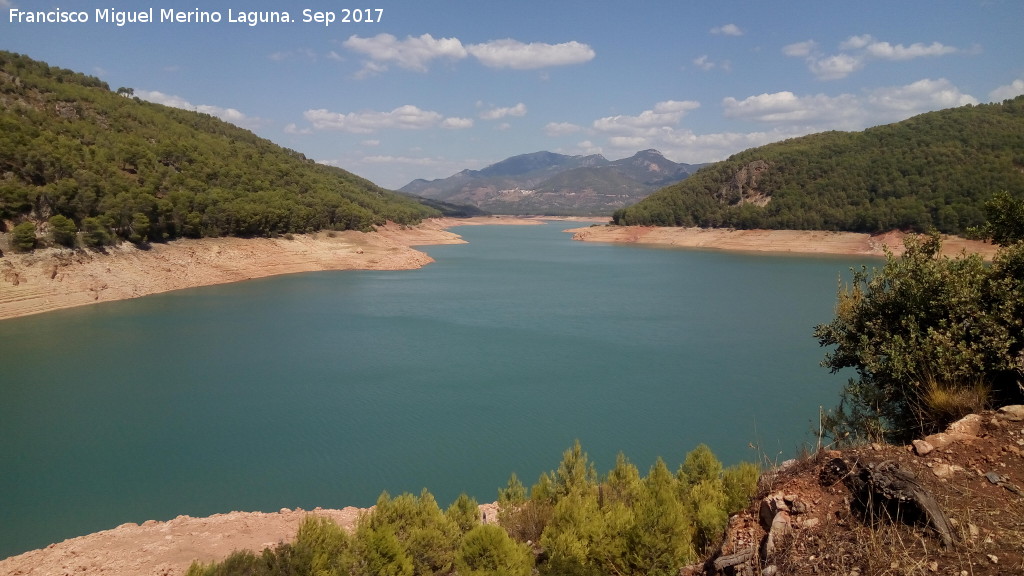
x=744, y=188
x=949, y=503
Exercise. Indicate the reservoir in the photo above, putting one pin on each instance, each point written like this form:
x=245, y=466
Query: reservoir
x=325, y=389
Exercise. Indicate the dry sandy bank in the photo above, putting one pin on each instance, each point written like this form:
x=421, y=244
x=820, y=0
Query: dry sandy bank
x=52, y=279
x=779, y=241
x=169, y=548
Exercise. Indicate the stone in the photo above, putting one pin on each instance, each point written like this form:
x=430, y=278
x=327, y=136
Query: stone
x=922, y=447
x=993, y=558
x=771, y=505
x=970, y=424
x=943, y=439
x=945, y=470
x=1013, y=413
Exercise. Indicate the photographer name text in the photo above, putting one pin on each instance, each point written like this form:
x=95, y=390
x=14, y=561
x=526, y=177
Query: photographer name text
x=170, y=15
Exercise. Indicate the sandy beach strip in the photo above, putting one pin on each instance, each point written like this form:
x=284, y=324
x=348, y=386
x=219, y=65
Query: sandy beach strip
x=774, y=241
x=52, y=279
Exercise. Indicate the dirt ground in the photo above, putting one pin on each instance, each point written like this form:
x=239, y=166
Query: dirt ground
x=828, y=536
x=779, y=241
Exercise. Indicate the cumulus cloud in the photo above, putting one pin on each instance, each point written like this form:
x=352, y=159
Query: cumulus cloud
x=554, y=129
x=513, y=54
x=457, y=123
x=835, y=67
x=498, y=113
x=787, y=107
x=703, y=62
x=800, y=49
x=664, y=115
x=921, y=96
x=292, y=128
x=856, y=51
x=406, y=117
x=231, y=115
x=416, y=53
x=847, y=111
x=413, y=53
x=727, y=30
x=1012, y=90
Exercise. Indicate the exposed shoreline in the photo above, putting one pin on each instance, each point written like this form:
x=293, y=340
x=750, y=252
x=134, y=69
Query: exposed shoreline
x=774, y=241
x=53, y=279
x=168, y=548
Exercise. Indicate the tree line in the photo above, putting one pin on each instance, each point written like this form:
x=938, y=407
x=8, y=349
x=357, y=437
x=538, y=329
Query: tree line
x=571, y=522
x=934, y=171
x=119, y=168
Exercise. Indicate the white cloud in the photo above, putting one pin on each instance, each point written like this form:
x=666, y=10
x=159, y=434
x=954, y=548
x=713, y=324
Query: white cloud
x=411, y=53
x=416, y=53
x=498, y=113
x=370, y=143
x=904, y=101
x=856, y=51
x=1012, y=90
x=227, y=114
x=835, y=67
x=6, y=4
x=787, y=107
x=457, y=123
x=664, y=115
x=514, y=54
x=847, y=111
x=703, y=62
x=800, y=49
x=291, y=128
x=727, y=30
x=856, y=42
x=555, y=129
x=406, y=117
x=887, y=51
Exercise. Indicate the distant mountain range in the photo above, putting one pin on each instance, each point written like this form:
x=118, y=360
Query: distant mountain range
x=556, y=184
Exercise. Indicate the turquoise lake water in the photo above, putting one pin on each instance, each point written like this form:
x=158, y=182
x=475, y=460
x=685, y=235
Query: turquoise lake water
x=325, y=389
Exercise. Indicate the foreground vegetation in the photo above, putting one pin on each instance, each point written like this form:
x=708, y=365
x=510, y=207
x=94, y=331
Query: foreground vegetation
x=933, y=171
x=931, y=338
x=569, y=523
x=78, y=157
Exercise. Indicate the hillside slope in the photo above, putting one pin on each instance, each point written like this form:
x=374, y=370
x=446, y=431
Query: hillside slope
x=935, y=170
x=556, y=184
x=122, y=167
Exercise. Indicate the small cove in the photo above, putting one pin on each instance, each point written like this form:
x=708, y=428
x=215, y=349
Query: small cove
x=325, y=389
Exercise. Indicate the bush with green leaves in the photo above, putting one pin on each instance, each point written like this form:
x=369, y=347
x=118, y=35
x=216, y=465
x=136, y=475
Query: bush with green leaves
x=23, y=237
x=63, y=230
x=487, y=550
x=931, y=338
x=575, y=522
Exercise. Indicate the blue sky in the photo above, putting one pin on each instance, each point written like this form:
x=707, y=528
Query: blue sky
x=431, y=87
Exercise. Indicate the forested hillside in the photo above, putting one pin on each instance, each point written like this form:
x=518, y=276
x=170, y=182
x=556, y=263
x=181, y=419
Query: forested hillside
x=933, y=171
x=75, y=154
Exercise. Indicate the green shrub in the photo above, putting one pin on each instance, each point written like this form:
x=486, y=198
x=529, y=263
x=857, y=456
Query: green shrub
x=487, y=550
x=63, y=230
x=23, y=237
